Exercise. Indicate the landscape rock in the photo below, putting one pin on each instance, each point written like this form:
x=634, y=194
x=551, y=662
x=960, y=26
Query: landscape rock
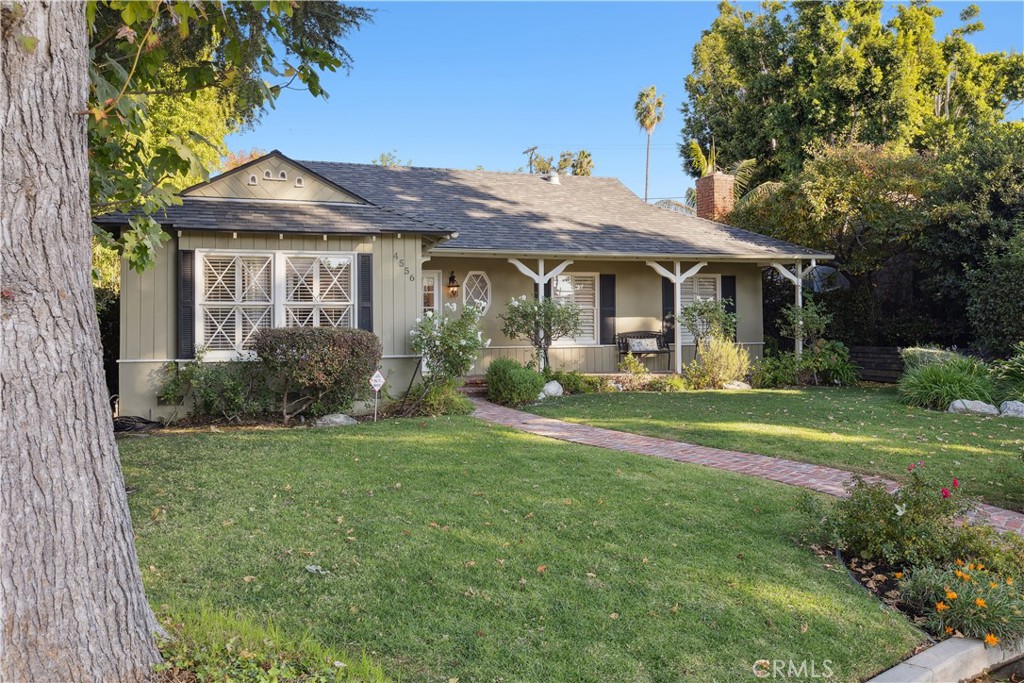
x=336, y=420
x=972, y=408
x=552, y=389
x=737, y=385
x=1012, y=409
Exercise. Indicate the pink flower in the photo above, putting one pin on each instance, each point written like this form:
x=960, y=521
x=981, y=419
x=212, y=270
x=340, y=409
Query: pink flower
x=956, y=483
x=910, y=467
x=945, y=492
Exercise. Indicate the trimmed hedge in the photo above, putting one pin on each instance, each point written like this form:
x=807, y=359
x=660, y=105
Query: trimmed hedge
x=511, y=384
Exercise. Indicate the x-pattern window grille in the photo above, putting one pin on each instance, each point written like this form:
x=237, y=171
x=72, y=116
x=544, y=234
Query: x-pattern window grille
x=237, y=299
x=318, y=291
x=477, y=290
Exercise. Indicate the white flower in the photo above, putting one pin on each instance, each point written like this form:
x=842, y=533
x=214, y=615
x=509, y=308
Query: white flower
x=419, y=320
x=340, y=665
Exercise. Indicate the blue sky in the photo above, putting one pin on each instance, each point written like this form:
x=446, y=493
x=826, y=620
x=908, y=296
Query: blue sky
x=459, y=85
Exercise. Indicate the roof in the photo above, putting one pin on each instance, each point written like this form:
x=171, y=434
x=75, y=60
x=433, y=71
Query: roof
x=519, y=213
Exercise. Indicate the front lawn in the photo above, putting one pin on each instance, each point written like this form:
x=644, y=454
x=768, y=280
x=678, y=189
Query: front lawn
x=858, y=429
x=451, y=549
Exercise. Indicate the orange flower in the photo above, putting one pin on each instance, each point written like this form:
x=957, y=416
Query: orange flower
x=959, y=563
x=980, y=602
x=941, y=607
x=949, y=630
x=898, y=575
x=959, y=574
x=993, y=584
x=991, y=640
x=950, y=595
x=1009, y=580
x=980, y=566
x=970, y=567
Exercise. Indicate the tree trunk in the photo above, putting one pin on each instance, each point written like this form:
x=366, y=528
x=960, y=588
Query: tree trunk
x=71, y=596
x=647, y=166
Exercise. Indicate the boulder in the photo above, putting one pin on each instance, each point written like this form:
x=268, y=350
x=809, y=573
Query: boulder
x=1012, y=409
x=972, y=407
x=736, y=385
x=550, y=390
x=336, y=420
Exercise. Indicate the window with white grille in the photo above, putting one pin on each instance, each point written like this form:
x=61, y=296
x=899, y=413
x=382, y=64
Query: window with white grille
x=580, y=289
x=432, y=292
x=318, y=291
x=477, y=290
x=702, y=287
x=242, y=293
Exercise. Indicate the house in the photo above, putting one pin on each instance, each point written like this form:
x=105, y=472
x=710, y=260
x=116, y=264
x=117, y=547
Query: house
x=280, y=242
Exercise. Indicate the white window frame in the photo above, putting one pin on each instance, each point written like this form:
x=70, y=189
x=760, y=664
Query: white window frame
x=465, y=289
x=278, y=293
x=582, y=341
x=438, y=290
x=685, y=337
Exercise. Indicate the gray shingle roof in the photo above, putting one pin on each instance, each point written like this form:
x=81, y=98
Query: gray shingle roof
x=204, y=213
x=522, y=213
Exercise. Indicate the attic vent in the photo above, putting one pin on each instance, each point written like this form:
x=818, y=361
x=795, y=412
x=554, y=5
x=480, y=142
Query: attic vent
x=266, y=174
x=553, y=178
x=283, y=175
x=298, y=182
x=252, y=179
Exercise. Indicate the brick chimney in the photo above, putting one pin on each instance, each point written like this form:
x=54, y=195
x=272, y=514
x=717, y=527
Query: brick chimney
x=715, y=196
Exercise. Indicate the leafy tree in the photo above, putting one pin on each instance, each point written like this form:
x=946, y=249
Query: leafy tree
x=706, y=318
x=771, y=84
x=575, y=163
x=74, y=605
x=582, y=163
x=807, y=323
x=742, y=171
x=540, y=322
x=389, y=160
x=649, y=110
x=236, y=159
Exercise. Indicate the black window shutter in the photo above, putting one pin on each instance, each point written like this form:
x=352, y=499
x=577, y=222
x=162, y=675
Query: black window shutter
x=668, y=309
x=365, y=273
x=547, y=290
x=607, y=299
x=729, y=293
x=186, y=303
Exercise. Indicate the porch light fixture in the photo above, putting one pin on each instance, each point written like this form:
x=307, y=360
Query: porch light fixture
x=453, y=286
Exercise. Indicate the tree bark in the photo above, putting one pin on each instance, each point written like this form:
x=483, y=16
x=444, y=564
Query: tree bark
x=71, y=597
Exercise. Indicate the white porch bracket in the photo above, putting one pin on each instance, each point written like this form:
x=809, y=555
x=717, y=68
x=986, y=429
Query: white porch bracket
x=797, y=279
x=540, y=277
x=677, y=278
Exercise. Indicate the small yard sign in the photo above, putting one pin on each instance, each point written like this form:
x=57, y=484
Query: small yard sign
x=377, y=381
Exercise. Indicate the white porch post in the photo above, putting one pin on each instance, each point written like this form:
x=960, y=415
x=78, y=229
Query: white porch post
x=677, y=279
x=540, y=278
x=798, y=285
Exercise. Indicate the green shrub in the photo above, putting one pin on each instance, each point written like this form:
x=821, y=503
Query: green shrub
x=207, y=646
x=431, y=400
x=511, y=384
x=915, y=526
x=828, y=362
x=936, y=385
x=706, y=318
x=229, y=390
x=775, y=372
x=318, y=369
x=718, y=362
x=995, y=311
x=1010, y=373
x=636, y=375
x=575, y=382
x=449, y=344
x=969, y=598
x=668, y=384
x=916, y=356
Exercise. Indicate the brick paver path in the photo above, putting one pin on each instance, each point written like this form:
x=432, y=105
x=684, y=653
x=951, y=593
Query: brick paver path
x=805, y=475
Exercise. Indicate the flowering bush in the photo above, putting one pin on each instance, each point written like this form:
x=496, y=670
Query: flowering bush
x=967, y=598
x=636, y=374
x=449, y=344
x=540, y=322
x=914, y=526
x=317, y=369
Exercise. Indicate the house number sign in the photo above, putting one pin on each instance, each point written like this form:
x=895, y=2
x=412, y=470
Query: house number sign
x=406, y=270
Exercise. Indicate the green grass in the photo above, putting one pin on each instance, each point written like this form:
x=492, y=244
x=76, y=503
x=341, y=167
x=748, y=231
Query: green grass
x=460, y=550
x=859, y=429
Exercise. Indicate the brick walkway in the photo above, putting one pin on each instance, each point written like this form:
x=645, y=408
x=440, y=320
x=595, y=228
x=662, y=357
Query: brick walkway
x=805, y=475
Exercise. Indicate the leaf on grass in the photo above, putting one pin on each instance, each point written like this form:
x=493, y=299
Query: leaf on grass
x=316, y=569
x=248, y=579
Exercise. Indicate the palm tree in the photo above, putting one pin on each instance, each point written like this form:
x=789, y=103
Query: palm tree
x=743, y=171
x=650, y=110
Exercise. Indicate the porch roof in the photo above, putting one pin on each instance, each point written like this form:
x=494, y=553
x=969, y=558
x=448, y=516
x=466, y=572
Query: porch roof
x=518, y=214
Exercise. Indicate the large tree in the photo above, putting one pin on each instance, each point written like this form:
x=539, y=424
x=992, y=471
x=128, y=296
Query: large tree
x=649, y=110
x=769, y=85
x=71, y=597
x=72, y=601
